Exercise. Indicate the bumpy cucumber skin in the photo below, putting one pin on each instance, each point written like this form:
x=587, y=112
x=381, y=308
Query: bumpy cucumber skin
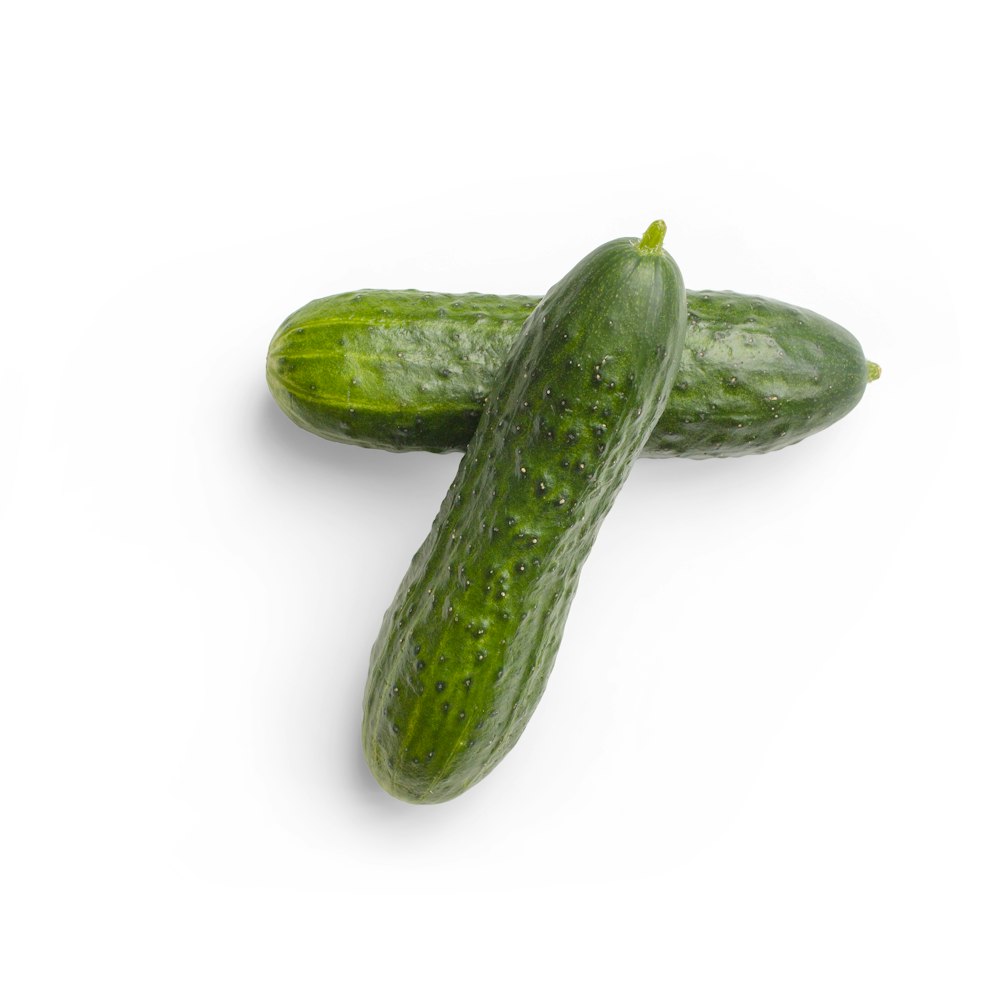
x=394, y=370
x=404, y=370
x=467, y=645
x=757, y=375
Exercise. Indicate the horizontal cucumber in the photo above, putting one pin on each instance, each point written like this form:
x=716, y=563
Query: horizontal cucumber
x=405, y=370
x=467, y=645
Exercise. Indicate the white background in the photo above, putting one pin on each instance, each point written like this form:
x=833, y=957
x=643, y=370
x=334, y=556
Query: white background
x=767, y=761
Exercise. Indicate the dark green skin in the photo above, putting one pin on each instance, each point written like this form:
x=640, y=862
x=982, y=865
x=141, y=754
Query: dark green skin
x=408, y=370
x=467, y=645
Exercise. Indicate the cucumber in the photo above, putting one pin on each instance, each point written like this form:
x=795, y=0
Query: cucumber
x=466, y=647
x=408, y=370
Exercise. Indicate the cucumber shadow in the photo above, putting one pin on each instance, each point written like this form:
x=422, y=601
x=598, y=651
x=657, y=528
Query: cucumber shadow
x=287, y=447
x=368, y=510
x=356, y=517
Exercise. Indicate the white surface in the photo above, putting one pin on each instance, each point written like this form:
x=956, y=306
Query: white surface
x=766, y=765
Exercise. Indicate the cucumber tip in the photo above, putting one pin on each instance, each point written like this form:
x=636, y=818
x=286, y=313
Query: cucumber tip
x=652, y=238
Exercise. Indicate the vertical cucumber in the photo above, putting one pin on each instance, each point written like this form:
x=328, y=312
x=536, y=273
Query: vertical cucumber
x=467, y=645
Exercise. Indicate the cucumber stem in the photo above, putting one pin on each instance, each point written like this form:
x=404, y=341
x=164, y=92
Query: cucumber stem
x=652, y=238
x=874, y=371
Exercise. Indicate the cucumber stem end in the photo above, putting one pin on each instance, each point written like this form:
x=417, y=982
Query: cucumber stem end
x=652, y=238
x=874, y=371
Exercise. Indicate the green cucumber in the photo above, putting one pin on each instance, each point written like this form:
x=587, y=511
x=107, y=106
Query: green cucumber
x=408, y=370
x=467, y=645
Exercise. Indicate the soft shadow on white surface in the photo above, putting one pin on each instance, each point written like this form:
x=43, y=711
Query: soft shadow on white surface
x=380, y=495
x=679, y=514
x=282, y=441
